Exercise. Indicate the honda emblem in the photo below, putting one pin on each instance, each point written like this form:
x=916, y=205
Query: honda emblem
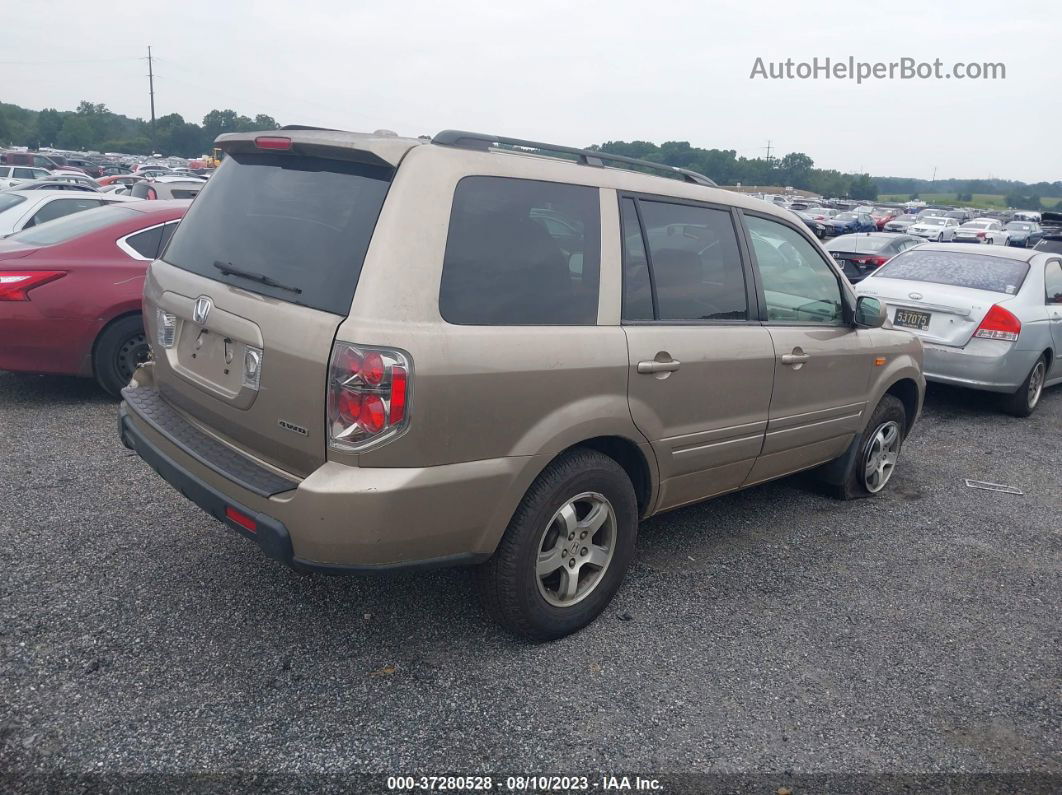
x=202, y=309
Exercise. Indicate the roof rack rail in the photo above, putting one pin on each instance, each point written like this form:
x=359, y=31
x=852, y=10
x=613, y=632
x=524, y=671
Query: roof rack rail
x=586, y=157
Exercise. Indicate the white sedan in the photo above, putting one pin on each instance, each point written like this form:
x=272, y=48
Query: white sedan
x=982, y=230
x=10, y=176
x=937, y=228
x=21, y=209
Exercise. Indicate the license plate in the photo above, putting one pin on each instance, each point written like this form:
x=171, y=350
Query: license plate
x=908, y=318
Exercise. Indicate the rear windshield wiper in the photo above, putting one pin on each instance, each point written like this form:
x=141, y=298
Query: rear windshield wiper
x=228, y=270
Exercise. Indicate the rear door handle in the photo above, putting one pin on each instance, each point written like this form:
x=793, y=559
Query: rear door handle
x=794, y=358
x=659, y=367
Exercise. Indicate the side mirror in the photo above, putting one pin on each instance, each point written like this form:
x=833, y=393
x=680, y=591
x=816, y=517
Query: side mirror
x=869, y=312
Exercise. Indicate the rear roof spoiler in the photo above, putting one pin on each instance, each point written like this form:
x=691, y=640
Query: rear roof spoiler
x=371, y=149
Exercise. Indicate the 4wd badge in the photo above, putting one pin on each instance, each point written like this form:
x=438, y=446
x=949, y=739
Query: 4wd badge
x=291, y=426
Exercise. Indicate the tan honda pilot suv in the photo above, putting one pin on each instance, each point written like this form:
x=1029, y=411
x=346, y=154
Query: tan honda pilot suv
x=373, y=352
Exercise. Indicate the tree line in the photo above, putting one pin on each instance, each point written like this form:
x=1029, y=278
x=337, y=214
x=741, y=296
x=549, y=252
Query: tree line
x=92, y=126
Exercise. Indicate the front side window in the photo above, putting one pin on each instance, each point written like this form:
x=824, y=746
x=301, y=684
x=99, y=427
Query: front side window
x=798, y=285
x=521, y=252
x=695, y=262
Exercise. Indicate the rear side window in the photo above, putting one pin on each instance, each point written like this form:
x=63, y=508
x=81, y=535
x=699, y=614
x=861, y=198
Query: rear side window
x=521, y=252
x=637, y=285
x=695, y=262
x=957, y=269
x=301, y=223
x=146, y=243
x=1053, y=282
x=76, y=225
x=61, y=207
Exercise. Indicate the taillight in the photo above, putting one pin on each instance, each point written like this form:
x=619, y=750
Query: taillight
x=877, y=262
x=999, y=324
x=980, y=234
x=369, y=391
x=165, y=328
x=152, y=194
x=14, y=285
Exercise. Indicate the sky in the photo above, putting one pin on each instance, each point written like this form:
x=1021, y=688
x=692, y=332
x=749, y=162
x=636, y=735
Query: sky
x=576, y=73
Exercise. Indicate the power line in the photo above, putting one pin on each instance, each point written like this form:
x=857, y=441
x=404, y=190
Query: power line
x=79, y=60
x=151, y=91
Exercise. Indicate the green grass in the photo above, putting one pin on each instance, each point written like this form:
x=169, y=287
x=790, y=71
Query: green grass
x=985, y=200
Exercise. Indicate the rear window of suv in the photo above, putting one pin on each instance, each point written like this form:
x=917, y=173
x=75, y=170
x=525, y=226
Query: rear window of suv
x=957, y=269
x=300, y=226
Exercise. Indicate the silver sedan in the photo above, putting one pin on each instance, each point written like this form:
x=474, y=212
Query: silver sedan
x=987, y=320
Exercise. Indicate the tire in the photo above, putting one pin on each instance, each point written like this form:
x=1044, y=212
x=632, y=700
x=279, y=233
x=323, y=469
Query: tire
x=1024, y=402
x=119, y=349
x=940, y=238
x=518, y=588
x=889, y=415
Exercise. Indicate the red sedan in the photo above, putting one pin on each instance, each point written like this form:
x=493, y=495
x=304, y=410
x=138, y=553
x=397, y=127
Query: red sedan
x=70, y=291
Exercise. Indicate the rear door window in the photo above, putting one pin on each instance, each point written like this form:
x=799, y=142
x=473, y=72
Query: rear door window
x=1053, y=282
x=521, y=252
x=695, y=262
x=298, y=227
x=61, y=207
x=957, y=269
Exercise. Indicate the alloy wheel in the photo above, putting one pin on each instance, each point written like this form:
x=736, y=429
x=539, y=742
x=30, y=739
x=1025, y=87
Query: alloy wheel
x=879, y=461
x=1036, y=383
x=575, y=549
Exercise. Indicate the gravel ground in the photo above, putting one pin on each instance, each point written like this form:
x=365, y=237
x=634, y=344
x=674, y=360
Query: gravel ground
x=772, y=630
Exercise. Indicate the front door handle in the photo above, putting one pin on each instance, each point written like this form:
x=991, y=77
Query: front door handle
x=659, y=367
x=794, y=358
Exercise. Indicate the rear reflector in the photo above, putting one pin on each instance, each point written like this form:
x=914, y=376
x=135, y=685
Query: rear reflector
x=272, y=142
x=999, y=324
x=14, y=285
x=240, y=518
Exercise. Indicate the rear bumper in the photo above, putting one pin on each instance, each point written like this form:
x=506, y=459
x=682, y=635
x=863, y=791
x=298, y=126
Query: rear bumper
x=343, y=519
x=990, y=365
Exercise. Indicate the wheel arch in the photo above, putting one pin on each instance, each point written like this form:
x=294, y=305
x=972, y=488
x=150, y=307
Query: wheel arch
x=635, y=459
x=906, y=390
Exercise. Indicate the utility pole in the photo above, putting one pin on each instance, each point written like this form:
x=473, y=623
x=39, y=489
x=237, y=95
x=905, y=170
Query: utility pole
x=151, y=92
x=768, y=148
